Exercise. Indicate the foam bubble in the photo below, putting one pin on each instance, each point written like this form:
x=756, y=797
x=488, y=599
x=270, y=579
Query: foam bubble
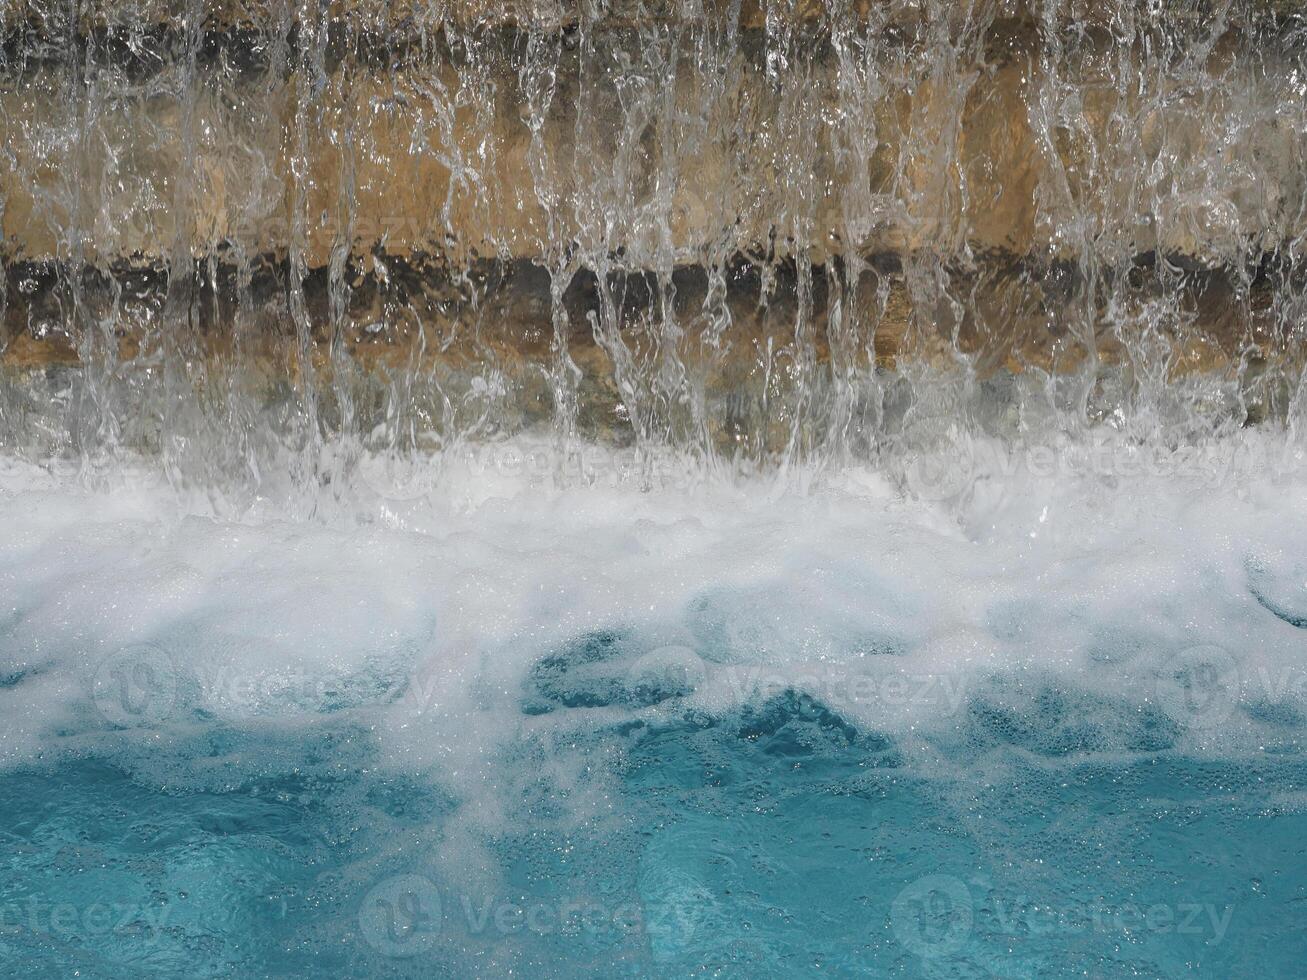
x=455, y=628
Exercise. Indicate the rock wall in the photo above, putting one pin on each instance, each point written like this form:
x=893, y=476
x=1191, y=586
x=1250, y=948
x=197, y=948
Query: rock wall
x=659, y=202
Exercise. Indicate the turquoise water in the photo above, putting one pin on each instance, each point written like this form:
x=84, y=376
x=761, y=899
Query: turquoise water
x=604, y=734
x=778, y=841
x=617, y=489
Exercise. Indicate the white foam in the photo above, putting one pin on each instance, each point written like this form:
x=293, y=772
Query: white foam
x=421, y=618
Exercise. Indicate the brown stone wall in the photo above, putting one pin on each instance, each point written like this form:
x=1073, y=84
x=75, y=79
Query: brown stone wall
x=987, y=134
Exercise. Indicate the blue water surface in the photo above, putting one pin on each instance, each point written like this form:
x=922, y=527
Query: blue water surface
x=775, y=840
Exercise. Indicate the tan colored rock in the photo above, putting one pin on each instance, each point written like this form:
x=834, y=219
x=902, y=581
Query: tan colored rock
x=923, y=147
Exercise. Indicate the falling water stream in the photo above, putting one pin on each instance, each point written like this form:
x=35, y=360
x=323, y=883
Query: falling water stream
x=675, y=488
x=257, y=244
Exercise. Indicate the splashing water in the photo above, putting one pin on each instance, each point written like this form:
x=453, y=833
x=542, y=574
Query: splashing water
x=652, y=489
x=259, y=243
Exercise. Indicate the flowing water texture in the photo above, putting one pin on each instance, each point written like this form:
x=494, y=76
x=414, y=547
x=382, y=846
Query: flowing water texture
x=748, y=488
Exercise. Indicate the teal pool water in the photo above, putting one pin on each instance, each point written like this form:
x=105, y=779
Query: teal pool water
x=601, y=735
x=778, y=841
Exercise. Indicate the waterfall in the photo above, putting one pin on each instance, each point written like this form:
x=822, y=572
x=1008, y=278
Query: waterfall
x=264, y=244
